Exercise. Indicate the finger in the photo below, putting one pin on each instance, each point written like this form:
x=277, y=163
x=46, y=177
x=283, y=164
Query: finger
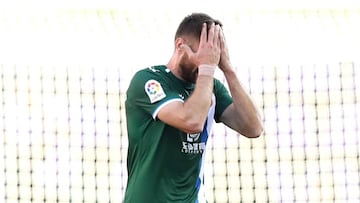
x=203, y=36
x=187, y=49
x=217, y=35
x=211, y=33
x=222, y=39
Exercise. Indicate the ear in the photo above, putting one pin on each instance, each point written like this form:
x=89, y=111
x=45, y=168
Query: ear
x=179, y=42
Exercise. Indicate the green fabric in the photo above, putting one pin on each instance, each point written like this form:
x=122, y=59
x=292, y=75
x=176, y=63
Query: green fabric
x=162, y=165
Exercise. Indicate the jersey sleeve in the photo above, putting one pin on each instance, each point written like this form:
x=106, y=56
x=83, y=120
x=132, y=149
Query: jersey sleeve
x=150, y=92
x=223, y=99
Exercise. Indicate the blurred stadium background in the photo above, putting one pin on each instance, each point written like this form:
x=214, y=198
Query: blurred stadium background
x=65, y=66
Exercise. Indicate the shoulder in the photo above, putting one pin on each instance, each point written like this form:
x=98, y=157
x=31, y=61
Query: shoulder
x=152, y=72
x=146, y=77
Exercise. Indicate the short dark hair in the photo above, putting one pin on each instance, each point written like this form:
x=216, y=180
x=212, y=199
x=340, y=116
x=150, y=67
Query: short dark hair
x=191, y=25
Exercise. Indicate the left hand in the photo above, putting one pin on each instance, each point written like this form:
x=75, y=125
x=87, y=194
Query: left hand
x=224, y=63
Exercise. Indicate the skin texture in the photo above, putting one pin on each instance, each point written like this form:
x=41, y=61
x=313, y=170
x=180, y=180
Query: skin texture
x=211, y=49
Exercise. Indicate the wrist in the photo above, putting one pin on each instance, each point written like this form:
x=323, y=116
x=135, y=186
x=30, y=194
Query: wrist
x=227, y=69
x=206, y=69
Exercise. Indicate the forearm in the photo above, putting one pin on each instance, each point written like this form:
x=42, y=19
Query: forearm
x=196, y=107
x=190, y=116
x=249, y=119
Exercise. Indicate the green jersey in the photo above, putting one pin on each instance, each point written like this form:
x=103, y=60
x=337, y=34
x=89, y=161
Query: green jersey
x=165, y=164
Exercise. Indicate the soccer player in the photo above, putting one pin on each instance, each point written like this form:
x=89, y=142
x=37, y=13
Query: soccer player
x=170, y=110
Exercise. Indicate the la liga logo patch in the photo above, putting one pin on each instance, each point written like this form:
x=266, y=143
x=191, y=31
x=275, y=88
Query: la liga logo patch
x=154, y=91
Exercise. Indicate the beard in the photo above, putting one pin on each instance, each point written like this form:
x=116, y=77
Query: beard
x=189, y=74
x=188, y=71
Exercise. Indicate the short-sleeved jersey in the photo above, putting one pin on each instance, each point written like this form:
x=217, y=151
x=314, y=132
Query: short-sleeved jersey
x=165, y=164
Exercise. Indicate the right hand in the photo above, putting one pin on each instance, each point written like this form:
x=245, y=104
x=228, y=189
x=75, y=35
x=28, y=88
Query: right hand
x=209, y=47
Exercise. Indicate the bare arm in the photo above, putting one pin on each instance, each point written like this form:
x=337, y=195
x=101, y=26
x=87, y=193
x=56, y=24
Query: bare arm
x=190, y=116
x=242, y=115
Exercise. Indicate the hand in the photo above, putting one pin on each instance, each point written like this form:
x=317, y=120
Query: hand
x=224, y=63
x=209, y=47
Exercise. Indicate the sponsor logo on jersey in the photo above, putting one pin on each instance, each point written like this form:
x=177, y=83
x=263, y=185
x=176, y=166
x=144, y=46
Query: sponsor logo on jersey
x=192, y=146
x=192, y=137
x=154, y=91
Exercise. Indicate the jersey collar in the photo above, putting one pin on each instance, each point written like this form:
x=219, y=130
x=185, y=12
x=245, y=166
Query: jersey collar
x=187, y=85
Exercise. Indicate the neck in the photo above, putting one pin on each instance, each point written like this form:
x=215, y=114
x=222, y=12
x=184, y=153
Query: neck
x=173, y=66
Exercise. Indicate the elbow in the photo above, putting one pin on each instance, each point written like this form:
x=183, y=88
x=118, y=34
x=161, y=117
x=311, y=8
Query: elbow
x=189, y=123
x=253, y=130
x=193, y=127
x=255, y=133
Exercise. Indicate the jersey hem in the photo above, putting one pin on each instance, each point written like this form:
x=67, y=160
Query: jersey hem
x=154, y=115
